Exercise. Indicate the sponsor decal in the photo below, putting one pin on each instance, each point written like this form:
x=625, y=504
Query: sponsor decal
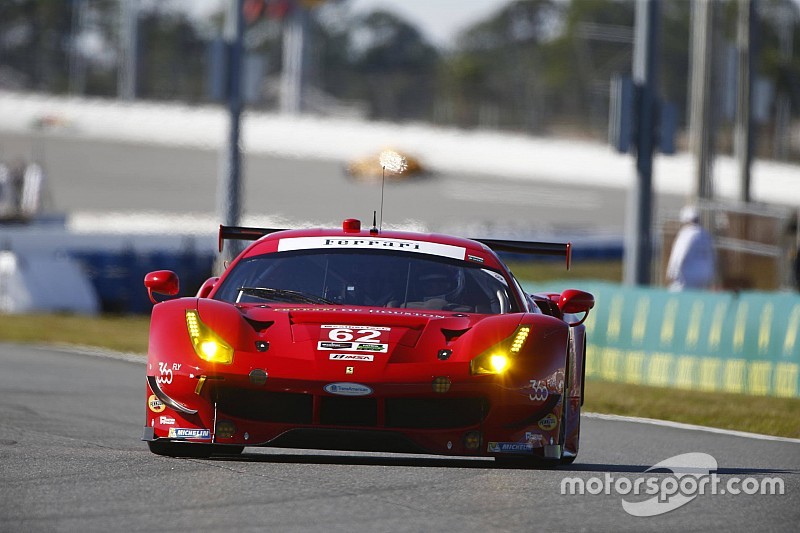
x=403, y=313
x=372, y=347
x=351, y=357
x=334, y=345
x=475, y=258
x=155, y=405
x=359, y=328
x=548, y=423
x=165, y=369
x=350, y=370
x=352, y=347
x=166, y=420
x=539, y=392
x=189, y=433
x=555, y=382
x=347, y=389
x=422, y=247
x=366, y=338
x=535, y=439
x=510, y=447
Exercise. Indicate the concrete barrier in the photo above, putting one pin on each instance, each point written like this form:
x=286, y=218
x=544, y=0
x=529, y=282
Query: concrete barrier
x=745, y=343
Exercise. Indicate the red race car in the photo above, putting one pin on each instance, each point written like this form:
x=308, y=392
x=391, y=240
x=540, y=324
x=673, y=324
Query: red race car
x=367, y=340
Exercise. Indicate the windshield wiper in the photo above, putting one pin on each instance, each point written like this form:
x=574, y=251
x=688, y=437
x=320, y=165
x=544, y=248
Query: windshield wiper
x=282, y=295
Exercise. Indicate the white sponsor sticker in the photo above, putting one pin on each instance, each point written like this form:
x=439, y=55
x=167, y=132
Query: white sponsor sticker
x=189, y=433
x=421, y=247
x=348, y=389
x=353, y=346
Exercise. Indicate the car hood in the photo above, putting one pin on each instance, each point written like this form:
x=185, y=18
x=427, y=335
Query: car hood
x=323, y=341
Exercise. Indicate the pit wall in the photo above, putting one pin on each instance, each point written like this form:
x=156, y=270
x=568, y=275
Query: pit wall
x=743, y=343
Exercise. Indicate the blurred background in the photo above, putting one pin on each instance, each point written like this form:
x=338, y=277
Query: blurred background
x=130, y=129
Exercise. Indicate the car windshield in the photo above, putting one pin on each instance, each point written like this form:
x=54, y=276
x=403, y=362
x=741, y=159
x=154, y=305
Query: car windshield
x=386, y=279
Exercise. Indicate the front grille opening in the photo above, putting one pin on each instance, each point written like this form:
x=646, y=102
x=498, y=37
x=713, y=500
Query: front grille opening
x=363, y=440
x=336, y=411
x=430, y=413
x=265, y=406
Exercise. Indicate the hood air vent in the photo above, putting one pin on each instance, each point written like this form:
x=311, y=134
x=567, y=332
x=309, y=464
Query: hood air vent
x=451, y=335
x=259, y=325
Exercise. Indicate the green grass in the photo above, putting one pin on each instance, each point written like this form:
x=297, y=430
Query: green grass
x=610, y=270
x=119, y=333
x=757, y=414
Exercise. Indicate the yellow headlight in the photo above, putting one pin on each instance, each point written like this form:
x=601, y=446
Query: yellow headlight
x=519, y=338
x=498, y=358
x=499, y=362
x=492, y=362
x=207, y=344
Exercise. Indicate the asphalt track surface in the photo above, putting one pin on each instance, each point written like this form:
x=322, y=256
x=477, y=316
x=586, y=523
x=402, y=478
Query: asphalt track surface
x=71, y=460
x=112, y=176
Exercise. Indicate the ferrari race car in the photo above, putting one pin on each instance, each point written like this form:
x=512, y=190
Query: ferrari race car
x=367, y=340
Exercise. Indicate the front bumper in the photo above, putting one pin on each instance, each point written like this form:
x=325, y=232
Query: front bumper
x=481, y=417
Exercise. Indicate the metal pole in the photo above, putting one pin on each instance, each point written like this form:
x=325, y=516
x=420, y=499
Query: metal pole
x=701, y=117
x=743, y=137
x=77, y=63
x=230, y=188
x=639, y=242
x=129, y=47
x=294, y=52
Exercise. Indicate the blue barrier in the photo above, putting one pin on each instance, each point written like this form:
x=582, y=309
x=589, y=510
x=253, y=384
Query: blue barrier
x=118, y=276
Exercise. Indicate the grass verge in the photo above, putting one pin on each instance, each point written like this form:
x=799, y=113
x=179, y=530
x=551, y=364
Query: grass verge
x=757, y=414
x=119, y=333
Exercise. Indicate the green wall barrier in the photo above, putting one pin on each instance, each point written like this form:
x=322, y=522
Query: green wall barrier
x=710, y=341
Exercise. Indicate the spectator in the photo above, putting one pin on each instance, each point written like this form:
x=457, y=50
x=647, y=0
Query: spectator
x=692, y=262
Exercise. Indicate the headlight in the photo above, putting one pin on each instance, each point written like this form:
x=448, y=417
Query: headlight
x=497, y=359
x=492, y=362
x=519, y=338
x=207, y=344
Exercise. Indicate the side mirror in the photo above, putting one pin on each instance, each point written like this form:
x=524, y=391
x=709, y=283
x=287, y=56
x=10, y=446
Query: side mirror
x=573, y=301
x=207, y=286
x=162, y=282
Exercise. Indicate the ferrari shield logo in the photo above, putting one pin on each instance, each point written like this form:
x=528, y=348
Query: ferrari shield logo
x=349, y=370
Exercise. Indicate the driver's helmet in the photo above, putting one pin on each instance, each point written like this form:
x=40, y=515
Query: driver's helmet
x=440, y=282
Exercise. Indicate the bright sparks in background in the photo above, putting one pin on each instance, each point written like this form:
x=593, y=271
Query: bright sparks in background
x=393, y=162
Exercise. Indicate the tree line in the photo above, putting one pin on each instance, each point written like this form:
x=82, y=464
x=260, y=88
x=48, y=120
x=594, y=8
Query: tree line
x=534, y=66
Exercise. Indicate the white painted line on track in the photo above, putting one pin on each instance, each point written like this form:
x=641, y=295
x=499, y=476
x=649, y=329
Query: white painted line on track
x=130, y=357
x=691, y=427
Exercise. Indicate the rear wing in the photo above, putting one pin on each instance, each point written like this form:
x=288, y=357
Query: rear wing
x=530, y=248
x=242, y=233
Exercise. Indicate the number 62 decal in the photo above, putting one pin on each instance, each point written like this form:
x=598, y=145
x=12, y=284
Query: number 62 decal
x=353, y=338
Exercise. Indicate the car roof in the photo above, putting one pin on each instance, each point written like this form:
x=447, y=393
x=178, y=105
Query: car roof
x=317, y=238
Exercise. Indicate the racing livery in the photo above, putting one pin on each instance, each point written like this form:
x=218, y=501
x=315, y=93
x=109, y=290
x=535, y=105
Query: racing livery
x=374, y=340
